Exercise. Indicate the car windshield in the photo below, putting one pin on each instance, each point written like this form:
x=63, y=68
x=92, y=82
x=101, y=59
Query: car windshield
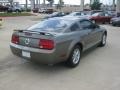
x=52, y=25
x=73, y=14
x=96, y=14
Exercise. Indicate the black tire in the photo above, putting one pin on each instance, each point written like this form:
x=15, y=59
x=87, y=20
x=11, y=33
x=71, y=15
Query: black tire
x=103, y=41
x=71, y=62
x=103, y=22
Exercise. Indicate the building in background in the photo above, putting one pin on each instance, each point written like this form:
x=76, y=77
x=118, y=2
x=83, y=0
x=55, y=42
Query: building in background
x=6, y=2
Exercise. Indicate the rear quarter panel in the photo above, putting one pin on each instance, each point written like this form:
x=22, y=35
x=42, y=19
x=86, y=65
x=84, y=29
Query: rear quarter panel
x=65, y=44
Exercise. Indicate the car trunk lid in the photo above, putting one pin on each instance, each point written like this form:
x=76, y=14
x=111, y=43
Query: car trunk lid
x=36, y=39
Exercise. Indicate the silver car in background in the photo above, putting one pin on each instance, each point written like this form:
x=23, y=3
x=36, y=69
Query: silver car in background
x=57, y=40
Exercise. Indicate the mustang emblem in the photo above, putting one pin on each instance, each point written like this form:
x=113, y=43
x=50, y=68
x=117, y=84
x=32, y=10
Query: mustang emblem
x=27, y=41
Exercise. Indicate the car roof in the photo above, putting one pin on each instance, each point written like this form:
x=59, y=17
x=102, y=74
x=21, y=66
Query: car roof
x=72, y=18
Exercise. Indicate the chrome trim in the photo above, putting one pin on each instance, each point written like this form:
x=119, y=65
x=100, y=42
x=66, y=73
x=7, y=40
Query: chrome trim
x=24, y=48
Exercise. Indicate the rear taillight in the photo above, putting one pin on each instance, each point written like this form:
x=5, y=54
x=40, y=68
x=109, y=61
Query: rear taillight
x=46, y=44
x=15, y=39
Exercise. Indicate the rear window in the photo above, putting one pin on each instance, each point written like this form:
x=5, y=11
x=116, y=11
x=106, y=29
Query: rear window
x=53, y=25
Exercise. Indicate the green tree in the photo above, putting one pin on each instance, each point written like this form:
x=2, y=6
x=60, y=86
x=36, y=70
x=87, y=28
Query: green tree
x=96, y=5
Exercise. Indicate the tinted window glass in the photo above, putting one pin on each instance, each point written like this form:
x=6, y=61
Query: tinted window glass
x=55, y=25
x=85, y=24
x=75, y=14
x=78, y=14
x=74, y=27
x=107, y=14
x=102, y=14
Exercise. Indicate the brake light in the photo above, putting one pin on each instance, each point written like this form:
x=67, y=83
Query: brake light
x=15, y=39
x=46, y=44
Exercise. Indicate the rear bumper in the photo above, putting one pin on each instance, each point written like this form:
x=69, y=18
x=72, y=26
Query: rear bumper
x=37, y=55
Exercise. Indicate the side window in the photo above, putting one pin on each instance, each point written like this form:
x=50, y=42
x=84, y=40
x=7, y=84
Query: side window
x=102, y=14
x=85, y=24
x=106, y=14
x=74, y=27
x=78, y=14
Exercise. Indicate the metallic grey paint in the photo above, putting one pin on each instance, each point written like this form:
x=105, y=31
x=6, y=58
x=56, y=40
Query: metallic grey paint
x=64, y=43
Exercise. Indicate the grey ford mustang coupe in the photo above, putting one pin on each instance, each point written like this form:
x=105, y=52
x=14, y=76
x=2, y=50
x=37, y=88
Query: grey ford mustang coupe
x=57, y=40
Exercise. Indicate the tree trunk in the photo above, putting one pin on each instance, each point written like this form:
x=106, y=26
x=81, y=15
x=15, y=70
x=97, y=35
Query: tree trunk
x=44, y=2
x=39, y=4
x=32, y=4
x=26, y=4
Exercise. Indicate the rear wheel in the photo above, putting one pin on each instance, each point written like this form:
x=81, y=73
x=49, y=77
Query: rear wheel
x=103, y=42
x=75, y=56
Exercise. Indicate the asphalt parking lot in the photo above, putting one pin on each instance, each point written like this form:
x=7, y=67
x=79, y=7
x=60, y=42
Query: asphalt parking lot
x=99, y=68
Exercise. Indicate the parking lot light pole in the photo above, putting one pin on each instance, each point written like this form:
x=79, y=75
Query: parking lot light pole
x=113, y=4
x=118, y=6
x=82, y=5
x=26, y=4
x=44, y=3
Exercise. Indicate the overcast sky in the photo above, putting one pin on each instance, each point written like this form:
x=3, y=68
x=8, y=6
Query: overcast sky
x=76, y=2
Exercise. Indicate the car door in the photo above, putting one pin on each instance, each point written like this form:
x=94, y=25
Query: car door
x=105, y=17
x=108, y=17
x=101, y=17
x=91, y=34
x=78, y=14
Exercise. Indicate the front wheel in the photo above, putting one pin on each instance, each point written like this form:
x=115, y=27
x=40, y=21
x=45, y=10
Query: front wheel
x=75, y=56
x=103, y=42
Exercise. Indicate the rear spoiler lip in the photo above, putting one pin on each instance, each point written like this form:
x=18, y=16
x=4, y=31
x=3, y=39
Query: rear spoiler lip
x=36, y=32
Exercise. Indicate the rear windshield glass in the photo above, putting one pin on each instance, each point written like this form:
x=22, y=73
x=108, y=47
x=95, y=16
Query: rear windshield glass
x=53, y=25
x=74, y=14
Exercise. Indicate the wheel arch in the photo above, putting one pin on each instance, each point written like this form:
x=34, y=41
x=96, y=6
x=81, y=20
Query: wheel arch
x=77, y=43
x=105, y=32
